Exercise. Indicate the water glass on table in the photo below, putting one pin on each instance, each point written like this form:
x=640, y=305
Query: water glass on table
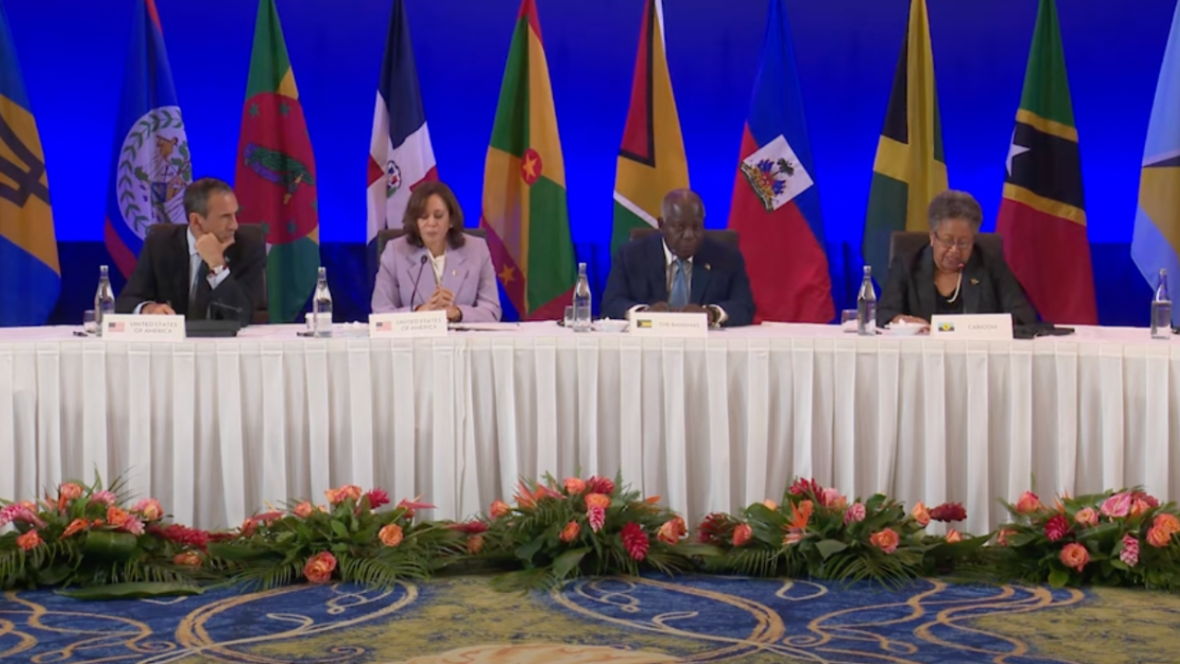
x=88, y=325
x=848, y=320
x=568, y=320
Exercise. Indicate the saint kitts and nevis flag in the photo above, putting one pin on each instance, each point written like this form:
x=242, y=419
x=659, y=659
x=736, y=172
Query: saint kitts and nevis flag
x=30, y=275
x=150, y=164
x=275, y=180
x=910, y=169
x=651, y=158
x=1155, y=243
x=400, y=154
x=524, y=202
x=775, y=207
x=1042, y=215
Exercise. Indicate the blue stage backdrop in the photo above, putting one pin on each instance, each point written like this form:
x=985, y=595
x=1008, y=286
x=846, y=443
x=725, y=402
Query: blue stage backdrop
x=73, y=55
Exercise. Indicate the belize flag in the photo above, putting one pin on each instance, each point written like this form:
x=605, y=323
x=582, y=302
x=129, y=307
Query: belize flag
x=400, y=154
x=775, y=207
x=150, y=167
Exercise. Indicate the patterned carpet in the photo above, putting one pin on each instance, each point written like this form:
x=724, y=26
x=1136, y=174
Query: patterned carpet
x=630, y=621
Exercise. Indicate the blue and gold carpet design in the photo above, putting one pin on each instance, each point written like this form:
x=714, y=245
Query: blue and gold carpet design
x=629, y=621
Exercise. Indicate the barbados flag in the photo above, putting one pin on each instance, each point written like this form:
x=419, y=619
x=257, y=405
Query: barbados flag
x=1156, y=241
x=30, y=277
x=150, y=167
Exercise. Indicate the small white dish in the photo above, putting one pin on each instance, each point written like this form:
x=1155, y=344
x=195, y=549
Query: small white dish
x=610, y=325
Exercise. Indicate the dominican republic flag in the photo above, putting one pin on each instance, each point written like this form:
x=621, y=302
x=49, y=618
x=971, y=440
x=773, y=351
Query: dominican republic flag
x=775, y=207
x=400, y=155
x=151, y=165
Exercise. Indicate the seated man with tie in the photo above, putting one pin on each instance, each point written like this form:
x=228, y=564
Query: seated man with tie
x=679, y=269
x=205, y=270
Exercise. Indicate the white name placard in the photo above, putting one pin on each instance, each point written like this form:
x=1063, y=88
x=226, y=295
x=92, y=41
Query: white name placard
x=144, y=327
x=987, y=327
x=410, y=324
x=668, y=324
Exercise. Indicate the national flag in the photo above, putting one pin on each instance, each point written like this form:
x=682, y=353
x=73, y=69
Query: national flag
x=775, y=208
x=400, y=154
x=651, y=158
x=1156, y=240
x=150, y=164
x=30, y=276
x=910, y=169
x=524, y=201
x=276, y=177
x=1042, y=215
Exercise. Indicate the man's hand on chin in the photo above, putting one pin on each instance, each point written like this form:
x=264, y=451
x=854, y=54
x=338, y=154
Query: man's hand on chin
x=158, y=309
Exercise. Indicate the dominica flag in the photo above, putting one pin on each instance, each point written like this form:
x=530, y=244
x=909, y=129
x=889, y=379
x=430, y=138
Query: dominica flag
x=775, y=208
x=1042, y=215
x=651, y=158
x=1155, y=243
x=30, y=275
x=150, y=164
x=524, y=202
x=275, y=180
x=400, y=153
x=910, y=168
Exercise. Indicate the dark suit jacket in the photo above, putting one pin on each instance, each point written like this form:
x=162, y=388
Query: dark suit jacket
x=163, y=275
x=989, y=287
x=639, y=275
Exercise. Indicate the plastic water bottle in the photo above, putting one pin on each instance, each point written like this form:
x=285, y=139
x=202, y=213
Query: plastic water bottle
x=104, y=299
x=582, y=301
x=321, y=307
x=1161, y=309
x=866, y=306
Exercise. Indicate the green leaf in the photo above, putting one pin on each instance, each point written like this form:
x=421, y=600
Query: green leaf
x=238, y=553
x=1058, y=578
x=285, y=537
x=340, y=529
x=109, y=544
x=827, y=548
x=527, y=551
x=132, y=591
x=339, y=547
x=568, y=561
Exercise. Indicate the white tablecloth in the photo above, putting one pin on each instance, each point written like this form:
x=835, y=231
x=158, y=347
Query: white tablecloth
x=214, y=428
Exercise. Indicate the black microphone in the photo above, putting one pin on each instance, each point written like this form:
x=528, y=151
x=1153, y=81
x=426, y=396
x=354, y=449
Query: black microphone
x=237, y=311
x=421, y=266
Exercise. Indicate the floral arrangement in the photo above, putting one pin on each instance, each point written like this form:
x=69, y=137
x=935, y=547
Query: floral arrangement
x=815, y=532
x=1124, y=538
x=88, y=536
x=348, y=539
x=594, y=526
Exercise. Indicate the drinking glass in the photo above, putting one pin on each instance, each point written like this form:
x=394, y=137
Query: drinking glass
x=568, y=321
x=88, y=322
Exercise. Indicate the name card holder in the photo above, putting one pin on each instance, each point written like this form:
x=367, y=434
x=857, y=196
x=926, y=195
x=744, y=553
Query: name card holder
x=668, y=324
x=132, y=327
x=408, y=325
x=975, y=327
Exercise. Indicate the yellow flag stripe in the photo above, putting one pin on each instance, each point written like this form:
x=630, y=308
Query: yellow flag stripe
x=1045, y=205
x=1047, y=126
x=543, y=136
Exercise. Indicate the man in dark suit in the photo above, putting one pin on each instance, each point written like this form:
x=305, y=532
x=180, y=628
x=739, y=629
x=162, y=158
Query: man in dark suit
x=205, y=270
x=679, y=269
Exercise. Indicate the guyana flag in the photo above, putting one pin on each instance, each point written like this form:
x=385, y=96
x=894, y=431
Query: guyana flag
x=910, y=169
x=651, y=158
x=1042, y=215
x=275, y=180
x=524, y=202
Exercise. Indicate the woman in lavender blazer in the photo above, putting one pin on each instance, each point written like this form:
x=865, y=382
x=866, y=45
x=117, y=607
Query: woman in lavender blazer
x=435, y=265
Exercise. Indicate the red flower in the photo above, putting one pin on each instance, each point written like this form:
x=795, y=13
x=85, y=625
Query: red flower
x=948, y=512
x=377, y=498
x=600, y=485
x=717, y=528
x=1056, y=528
x=635, y=541
x=803, y=487
x=188, y=537
x=471, y=527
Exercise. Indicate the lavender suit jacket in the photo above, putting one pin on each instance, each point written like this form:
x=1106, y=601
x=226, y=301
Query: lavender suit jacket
x=469, y=275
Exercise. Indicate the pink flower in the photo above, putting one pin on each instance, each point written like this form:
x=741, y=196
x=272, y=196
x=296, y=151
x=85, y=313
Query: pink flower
x=1056, y=528
x=854, y=513
x=1075, y=556
x=19, y=512
x=1151, y=501
x=377, y=498
x=150, y=509
x=832, y=498
x=742, y=534
x=133, y=525
x=1086, y=517
x=1028, y=503
x=803, y=487
x=1130, y=552
x=105, y=497
x=1117, y=506
x=596, y=516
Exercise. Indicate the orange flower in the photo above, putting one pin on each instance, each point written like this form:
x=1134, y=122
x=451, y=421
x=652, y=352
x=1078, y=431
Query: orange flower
x=67, y=492
x=1086, y=517
x=742, y=534
x=391, y=535
x=1167, y=523
x=500, y=509
x=150, y=509
x=188, y=559
x=921, y=514
x=29, y=540
x=886, y=540
x=76, y=526
x=800, y=515
x=333, y=496
x=116, y=517
x=474, y=544
x=248, y=528
x=319, y=567
x=524, y=497
x=953, y=536
x=1003, y=535
x=1028, y=503
x=574, y=485
x=597, y=500
x=770, y=504
x=1158, y=537
x=1075, y=556
x=304, y=510
x=1139, y=506
x=337, y=496
x=672, y=530
x=570, y=532
x=790, y=538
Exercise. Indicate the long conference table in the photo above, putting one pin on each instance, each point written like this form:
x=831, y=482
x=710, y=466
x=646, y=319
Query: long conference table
x=218, y=429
